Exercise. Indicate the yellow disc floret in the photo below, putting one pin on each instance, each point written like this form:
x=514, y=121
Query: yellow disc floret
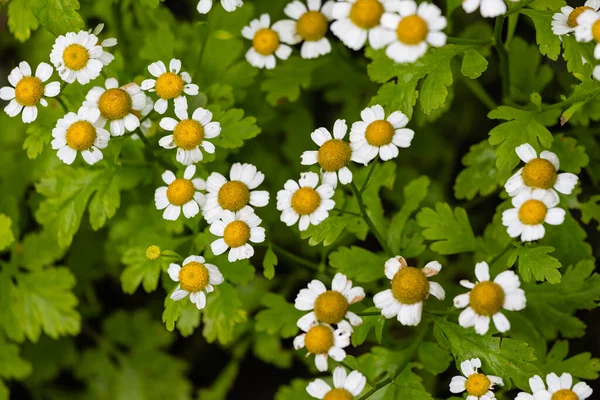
x=564, y=394
x=412, y=30
x=265, y=41
x=76, y=57
x=114, y=104
x=366, y=14
x=338, y=394
x=305, y=200
x=180, y=191
x=539, y=173
x=188, y=134
x=486, y=298
x=477, y=385
x=193, y=277
x=236, y=234
x=152, y=252
x=169, y=85
x=319, y=339
x=234, y=195
x=312, y=26
x=532, y=212
x=572, y=19
x=596, y=30
x=81, y=135
x=331, y=307
x=29, y=91
x=379, y=133
x=410, y=285
x=334, y=154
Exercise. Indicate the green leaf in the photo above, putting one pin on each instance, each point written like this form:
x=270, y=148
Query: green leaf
x=57, y=16
x=189, y=319
x=370, y=322
x=358, y=264
x=407, y=385
x=235, y=128
x=581, y=366
x=21, y=21
x=12, y=366
x=284, y=83
x=450, y=230
x=414, y=193
x=295, y=391
x=223, y=312
x=573, y=54
x=279, y=318
x=40, y=249
x=269, y=263
x=396, y=97
x=571, y=155
x=159, y=44
x=383, y=176
x=527, y=74
x=327, y=231
x=591, y=210
x=536, y=261
x=172, y=312
x=548, y=42
x=434, y=358
x=568, y=240
x=238, y=272
x=473, y=64
x=141, y=270
x=268, y=348
x=6, y=234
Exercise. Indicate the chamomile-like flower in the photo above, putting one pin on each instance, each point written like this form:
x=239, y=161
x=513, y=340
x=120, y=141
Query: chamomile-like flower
x=345, y=386
x=180, y=193
x=236, y=231
x=487, y=8
x=233, y=195
x=477, y=384
x=559, y=388
x=189, y=134
x=28, y=91
x=323, y=341
x=487, y=298
x=267, y=42
x=532, y=208
x=304, y=201
x=377, y=135
x=196, y=278
x=204, y=6
x=329, y=306
x=169, y=85
x=565, y=21
x=410, y=287
x=117, y=105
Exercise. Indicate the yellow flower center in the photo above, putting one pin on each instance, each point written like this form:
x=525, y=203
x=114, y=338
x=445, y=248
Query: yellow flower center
x=188, y=134
x=410, y=285
x=334, y=154
x=237, y=233
x=29, y=91
x=169, y=85
x=114, y=104
x=486, y=298
x=596, y=30
x=477, y=385
x=366, y=14
x=572, y=20
x=379, y=133
x=193, y=277
x=412, y=30
x=539, y=173
x=265, y=41
x=312, y=26
x=305, y=200
x=75, y=57
x=338, y=394
x=152, y=252
x=180, y=191
x=81, y=135
x=564, y=394
x=532, y=212
x=319, y=339
x=331, y=307
x=234, y=195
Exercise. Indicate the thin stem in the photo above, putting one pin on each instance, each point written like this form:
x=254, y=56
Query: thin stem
x=481, y=42
x=162, y=162
x=368, y=313
x=62, y=103
x=502, y=253
x=502, y=56
x=293, y=257
x=347, y=212
x=573, y=99
x=368, y=220
x=519, y=7
x=479, y=91
x=368, y=178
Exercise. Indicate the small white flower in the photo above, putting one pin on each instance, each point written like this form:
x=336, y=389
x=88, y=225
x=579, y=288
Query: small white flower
x=477, y=385
x=204, y=6
x=190, y=134
x=305, y=201
x=329, y=306
x=235, y=194
x=323, y=341
x=588, y=29
x=195, y=277
x=560, y=388
x=565, y=21
x=180, y=193
x=532, y=208
x=117, y=105
x=346, y=386
x=377, y=135
x=487, y=8
x=267, y=42
x=539, y=173
x=487, y=298
x=83, y=132
x=27, y=91
x=169, y=85
x=410, y=287
x=236, y=231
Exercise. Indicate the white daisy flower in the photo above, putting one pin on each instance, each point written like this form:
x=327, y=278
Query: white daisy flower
x=323, y=341
x=413, y=30
x=357, y=20
x=305, y=201
x=345, y=386
x=190, y=134
x=559, y=388
x=539, y=173
x=532, y=208
x=329, y=306
x=477, y=385
x=169, y=85
x=487, y=8
x=565, y=21
x=83, y=132
x=117, y=105
x=195, y=278
x=78, y=56
x=266, y=42
x=588, y=29
x=235, y=194
x=377, y=135
x=204, y=6
x=180, y=193
x=236, y=231
x=308, y=25
x=487, y=298
x=27, y=91
x=410, y=287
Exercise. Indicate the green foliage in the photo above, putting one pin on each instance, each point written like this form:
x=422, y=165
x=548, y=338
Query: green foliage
x=21, y=20
x=6, y=234
x=480, y=175
x=414, y=193
x=269, y=263
x=358, y=264
x=450, y=230
x=581, y=366
x=141, y=270
x=57, y=16
x=548, y=42
x=536, y=261
x=279, y=317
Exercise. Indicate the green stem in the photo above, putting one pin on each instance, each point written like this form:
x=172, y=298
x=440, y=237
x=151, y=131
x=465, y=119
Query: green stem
x=62, y=103
x=368, y=220
x=368, y=178
x=501, y=254
x=347, y=212
x=293, y=257
x=162, y=162
x=502, y=56
x=519, y=7
x=456, y=40
x=573, y=99
x=479, y=91
x=368, y=313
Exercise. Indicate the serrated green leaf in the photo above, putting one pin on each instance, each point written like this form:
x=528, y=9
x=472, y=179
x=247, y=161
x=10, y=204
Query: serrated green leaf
x=279, y=318
x=40, y=249
x=269, y=263
x=571, y=155
x=171, y=313
x=581, y=366
x=450, y=230
x=358, y=264
x=235, y=128
x=57, y=16
x=591, y=210
x=383, y=176
x=548, y=42
x=370, y=322
x=433, y=358
x=536, y=261
x=573, y=54
x=12, y=366
x=6, y=234
x=327, y=231
x=414, y=193
x=141, y=270
x=526, y=73
x=480, y=175
x=568, y=240
x=189, y=319
x=295, y=391
x=21, y=21
x=473, y=64
x=222, y=313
